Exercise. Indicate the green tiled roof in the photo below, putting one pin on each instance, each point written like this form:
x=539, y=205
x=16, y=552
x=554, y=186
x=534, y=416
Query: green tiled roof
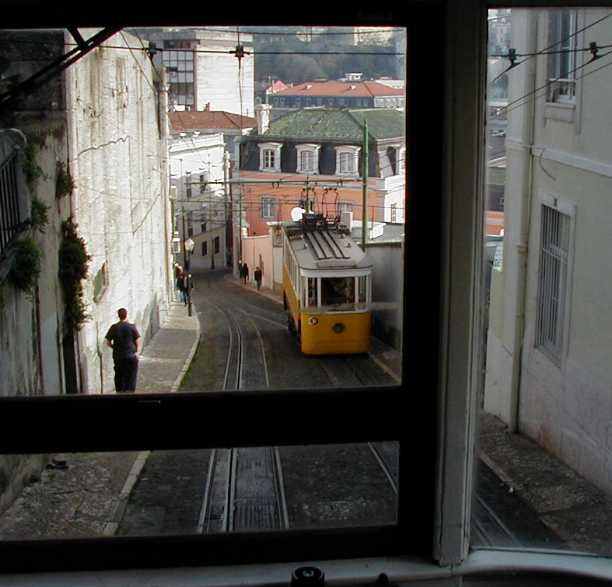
x=342, y=125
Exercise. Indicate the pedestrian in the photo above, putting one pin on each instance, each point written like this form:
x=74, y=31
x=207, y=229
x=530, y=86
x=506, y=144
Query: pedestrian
x=183, y=282
x=178, y=270
x=257, y=276
x=245, y=273
x=124, y=338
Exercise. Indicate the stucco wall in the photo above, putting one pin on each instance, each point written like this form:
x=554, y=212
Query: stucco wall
x=218, y=79
x=118, y=159
x=564, y=404
x=387, y=290
x=257, y=251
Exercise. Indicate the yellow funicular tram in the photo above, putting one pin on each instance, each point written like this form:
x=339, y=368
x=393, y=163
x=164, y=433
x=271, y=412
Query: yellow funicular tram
x=326, y=286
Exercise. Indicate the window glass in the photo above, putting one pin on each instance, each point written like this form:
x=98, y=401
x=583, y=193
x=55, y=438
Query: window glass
x=196, y=324
x=337, y=291
x=544, y=444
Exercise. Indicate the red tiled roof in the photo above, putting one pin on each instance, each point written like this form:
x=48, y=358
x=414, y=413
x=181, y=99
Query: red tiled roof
x=277, y=86
x=334, y=88
x=195, y=120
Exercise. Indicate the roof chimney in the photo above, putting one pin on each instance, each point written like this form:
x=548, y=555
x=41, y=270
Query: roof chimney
x=262, y=113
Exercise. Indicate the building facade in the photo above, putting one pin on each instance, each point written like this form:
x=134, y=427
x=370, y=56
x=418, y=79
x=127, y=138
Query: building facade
x=203, y=69
x=199, y=169
x=549, y=352
x=313, y=159
x=336, y=94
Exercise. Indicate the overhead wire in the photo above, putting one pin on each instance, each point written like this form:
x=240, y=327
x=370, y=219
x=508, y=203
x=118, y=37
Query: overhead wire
x=543, y=51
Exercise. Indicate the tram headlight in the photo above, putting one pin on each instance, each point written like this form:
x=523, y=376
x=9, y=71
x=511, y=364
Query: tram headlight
x=313, y=320
x=338, y=327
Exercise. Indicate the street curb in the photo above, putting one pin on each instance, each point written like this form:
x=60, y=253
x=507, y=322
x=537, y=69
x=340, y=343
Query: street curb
x=192, y=352
x=386, y=368
x=110, y=528
x=505, y=478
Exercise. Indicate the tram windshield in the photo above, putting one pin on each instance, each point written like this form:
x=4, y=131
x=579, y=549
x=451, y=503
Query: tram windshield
x=337, y=291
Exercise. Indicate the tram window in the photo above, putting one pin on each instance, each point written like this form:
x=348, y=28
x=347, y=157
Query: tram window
x=337, y=291
x=311, y=291
x=362, y=290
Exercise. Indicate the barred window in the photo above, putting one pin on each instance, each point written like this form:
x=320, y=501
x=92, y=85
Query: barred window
x=552, y=286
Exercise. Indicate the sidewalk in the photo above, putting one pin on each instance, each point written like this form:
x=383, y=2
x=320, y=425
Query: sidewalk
x=83, y=495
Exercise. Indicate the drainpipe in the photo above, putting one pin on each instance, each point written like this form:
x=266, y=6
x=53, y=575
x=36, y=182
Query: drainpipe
x=522, y=246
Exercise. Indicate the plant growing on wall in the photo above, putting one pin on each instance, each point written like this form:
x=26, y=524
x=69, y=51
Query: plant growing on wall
x=64, y=184
x=31, y=169
x=39, y=215
x=25, y=267
x=73, y=268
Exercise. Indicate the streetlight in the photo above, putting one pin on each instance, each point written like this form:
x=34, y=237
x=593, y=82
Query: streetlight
x=188, y=246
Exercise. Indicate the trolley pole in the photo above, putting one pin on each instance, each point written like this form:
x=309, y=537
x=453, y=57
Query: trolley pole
x=364, y=218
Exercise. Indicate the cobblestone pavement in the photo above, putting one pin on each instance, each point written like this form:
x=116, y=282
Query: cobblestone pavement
x=84, y=495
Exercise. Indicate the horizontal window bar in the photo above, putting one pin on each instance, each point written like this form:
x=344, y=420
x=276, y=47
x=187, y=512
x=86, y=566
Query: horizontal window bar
x=184, y=551
x=220, y=419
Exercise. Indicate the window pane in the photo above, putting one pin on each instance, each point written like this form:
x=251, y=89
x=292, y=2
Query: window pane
x=544, y=446
x=192, y=324
x=182, y=492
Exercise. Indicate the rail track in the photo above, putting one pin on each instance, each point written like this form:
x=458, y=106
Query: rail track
x=245, y=489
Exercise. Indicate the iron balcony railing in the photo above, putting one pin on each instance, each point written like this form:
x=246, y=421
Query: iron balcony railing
x=10, y=212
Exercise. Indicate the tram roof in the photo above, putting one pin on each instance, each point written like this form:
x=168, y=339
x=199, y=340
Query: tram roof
x=324, y=247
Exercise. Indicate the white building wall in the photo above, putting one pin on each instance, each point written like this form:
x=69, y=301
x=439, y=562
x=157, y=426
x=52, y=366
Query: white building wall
x=219, y=80
x=118, y=160
x=565, y=153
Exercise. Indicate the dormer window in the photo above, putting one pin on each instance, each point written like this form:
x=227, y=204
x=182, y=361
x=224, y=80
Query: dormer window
x=347, y=160
x=308, y=159
x=269, y=157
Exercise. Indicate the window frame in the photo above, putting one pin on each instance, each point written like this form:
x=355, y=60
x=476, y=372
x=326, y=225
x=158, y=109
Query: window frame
x=275, y=150
x=351, y=152
x=269, y=204
x=555, y=94
x=438, y=343
x=555, y=352
x=313, y=149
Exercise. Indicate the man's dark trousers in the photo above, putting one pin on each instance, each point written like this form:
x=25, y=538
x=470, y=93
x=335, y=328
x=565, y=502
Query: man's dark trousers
x=126, y=373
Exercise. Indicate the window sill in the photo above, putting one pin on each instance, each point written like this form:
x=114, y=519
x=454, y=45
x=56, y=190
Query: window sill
x=501, y=563
x=562, y=111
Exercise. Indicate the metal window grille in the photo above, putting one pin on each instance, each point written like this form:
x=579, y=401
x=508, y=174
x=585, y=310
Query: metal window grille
x=554, y=252
x=10, y=214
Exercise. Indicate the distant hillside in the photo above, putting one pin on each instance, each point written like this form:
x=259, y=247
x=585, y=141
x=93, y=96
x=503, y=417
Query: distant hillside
x=282, y=57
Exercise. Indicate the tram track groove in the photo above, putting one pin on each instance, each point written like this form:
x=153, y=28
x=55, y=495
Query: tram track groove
x=227, y=462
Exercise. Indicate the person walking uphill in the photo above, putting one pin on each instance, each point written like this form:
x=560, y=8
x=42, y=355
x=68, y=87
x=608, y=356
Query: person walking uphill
x=124, y=338
x=257, y=276
x=245, y=273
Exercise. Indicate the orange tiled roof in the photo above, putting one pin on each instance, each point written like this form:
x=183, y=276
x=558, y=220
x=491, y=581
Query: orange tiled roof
x=194, y=120
x=341, y=89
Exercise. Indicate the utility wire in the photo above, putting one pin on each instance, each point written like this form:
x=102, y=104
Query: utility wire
x=543, y=51
x=515, y=103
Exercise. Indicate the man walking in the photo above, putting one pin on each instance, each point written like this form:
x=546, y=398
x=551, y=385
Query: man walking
x=124, y=339
x=257, y=276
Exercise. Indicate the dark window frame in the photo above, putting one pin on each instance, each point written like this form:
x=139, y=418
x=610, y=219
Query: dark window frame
x=63, y=424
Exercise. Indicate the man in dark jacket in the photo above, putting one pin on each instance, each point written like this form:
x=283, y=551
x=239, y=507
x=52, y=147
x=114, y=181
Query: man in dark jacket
x=124, y=339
